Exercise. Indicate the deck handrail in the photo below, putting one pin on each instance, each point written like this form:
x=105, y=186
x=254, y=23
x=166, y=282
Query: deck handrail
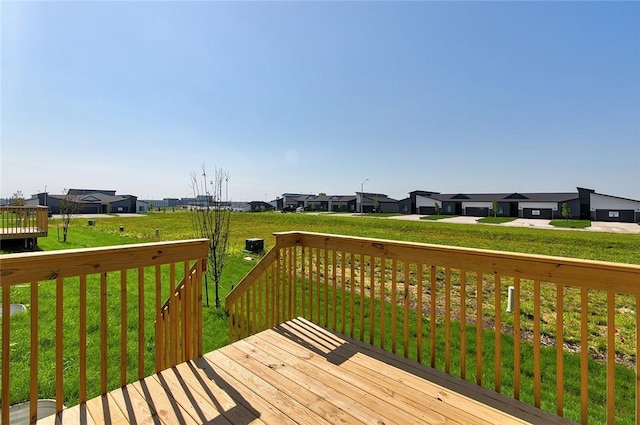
x=117, y=291
x=23, y=221
x=389, y=292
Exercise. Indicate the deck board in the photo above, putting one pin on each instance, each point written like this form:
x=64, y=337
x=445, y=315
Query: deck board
x=300, y=373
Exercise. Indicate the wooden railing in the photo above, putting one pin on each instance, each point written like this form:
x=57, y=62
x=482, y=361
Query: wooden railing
x=97, y=319
x=23, y=222
x=425, y=302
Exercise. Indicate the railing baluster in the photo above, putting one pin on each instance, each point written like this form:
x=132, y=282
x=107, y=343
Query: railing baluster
x=318, y=284
x=419, y=311
x=394, y=305
x=279, y=281
x=311, y=282
x=361, y=283
x=447, y=320
x=463, y=324
x=516, y=339
x=59, y=344
x=159, y=327
x=243, y=314
x=255, y=328
x=637, y=348
x=479, y=326
x=268, y=296
x=201, y=268
x=275, y=295
x=296, y=285
x=123, y=327
x=103, y=333
x=432, y=316
x=537, y=372
x=326, y=287
x=141, y=349
x=186, y=318
x=290, y=281
x=559, y=349
x=405, y=338
x=172, y=313
x=261, y=294
x=372, y=299
x=6, y=357
x=343, y=289
x=33, y=360
x=383, y=287
x=498, y=333
x=352, y=290
x=303, y=283
x=334, y=277
x=611, y=357
x=584, y=356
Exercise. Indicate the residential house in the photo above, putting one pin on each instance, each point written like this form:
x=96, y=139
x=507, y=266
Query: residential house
x=585, y=203
x=87, y=201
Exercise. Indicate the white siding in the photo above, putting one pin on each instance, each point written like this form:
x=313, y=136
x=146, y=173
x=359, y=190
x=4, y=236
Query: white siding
x=423, y=201
x=603, y=202
x=477, y=205
x=538, y=205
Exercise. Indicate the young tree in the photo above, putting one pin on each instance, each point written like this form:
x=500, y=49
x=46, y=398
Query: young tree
x=494, y=206
x=566, y=211
x=69, y=208
x=211, y=221
x=437, y=208
x=17, y=199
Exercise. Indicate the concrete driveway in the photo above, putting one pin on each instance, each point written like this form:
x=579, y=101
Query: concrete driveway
x=603, y=226
x=596, y=226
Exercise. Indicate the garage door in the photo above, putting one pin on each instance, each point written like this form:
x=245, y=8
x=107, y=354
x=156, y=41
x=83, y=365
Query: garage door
x=542, y=213
x=621, y=216
x=427, y=210
x=476, y=211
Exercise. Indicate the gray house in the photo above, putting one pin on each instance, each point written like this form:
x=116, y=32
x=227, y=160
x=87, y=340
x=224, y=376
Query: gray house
x=376, y=202
x=336, y=203
x=88, y=201
x=585, y=203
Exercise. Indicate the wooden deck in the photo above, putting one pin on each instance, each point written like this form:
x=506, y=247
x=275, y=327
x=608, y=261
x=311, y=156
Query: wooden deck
x=22, y=233
x=301, y=373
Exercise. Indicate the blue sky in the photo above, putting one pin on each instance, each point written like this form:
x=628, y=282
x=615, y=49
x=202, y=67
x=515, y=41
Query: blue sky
x=317, y=97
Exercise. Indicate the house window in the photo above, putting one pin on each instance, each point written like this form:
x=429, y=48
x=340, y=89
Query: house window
x=614, y=214
x=535, y=212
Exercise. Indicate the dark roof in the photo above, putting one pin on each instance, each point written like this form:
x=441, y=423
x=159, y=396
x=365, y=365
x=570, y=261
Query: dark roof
x=502, y=197
x=377, y=197
x=616, y=197
x=91, y=198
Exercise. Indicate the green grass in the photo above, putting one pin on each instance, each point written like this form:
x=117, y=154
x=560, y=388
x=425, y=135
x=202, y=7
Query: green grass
x=496, y=220
x=437, y=217
x=571, y=224
x=172, y=226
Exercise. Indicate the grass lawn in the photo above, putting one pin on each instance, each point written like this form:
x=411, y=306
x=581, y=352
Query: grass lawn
x=437, y=217
x=571, y=224
x=173, y=226
x=496, y=220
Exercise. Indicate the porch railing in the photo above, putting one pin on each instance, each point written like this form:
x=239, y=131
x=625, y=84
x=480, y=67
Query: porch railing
x=97, y=319
x=503, y=320
x=23, y=222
